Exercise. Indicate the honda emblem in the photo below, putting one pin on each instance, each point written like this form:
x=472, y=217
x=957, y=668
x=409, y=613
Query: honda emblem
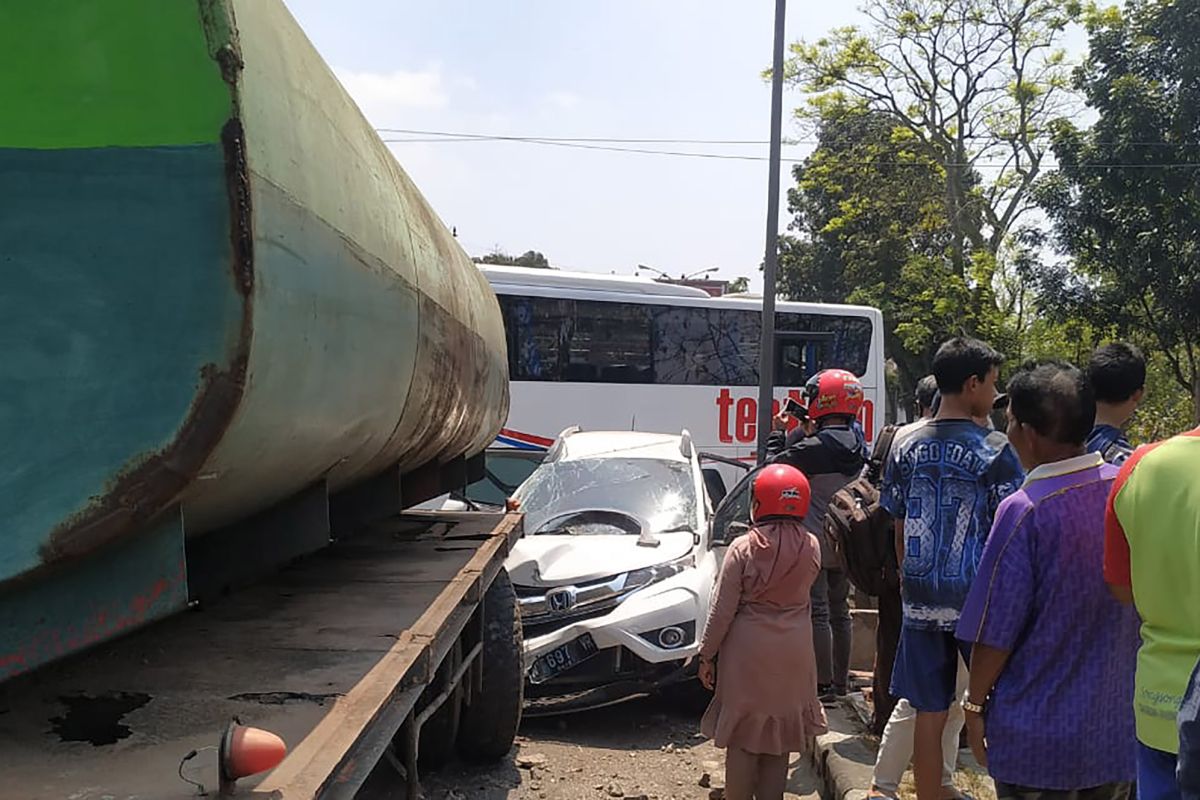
x=560, y=600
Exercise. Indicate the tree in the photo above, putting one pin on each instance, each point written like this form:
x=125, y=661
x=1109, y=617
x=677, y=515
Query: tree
x=530, y=258
x=1125, y=202
x=738, y=286
x=870, y=226
x=975, y=82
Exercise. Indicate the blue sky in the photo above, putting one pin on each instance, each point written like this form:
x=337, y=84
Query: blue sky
x=579, y=68
x=576, y=68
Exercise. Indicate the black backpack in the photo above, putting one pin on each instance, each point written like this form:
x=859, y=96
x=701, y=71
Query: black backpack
x=860, y=530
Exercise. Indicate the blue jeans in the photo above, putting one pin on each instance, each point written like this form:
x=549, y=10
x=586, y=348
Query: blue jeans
x=1156, y=774
x=1188, y=770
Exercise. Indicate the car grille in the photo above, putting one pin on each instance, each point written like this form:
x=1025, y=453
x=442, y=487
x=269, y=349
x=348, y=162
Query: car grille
x=561, y=604
x=539, y=627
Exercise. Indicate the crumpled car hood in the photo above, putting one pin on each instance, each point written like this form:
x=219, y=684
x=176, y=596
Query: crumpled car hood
x=557, y=560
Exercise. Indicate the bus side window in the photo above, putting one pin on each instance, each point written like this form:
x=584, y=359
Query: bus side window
x=792, y=363
x=621, y=342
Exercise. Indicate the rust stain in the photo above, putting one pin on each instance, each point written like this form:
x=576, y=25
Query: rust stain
x=148, y=485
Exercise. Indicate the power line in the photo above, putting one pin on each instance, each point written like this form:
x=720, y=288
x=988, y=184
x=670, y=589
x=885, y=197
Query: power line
x=476, y=137
x=614, y=149
x=457, y=136
x=864, y=163
x=589, y=144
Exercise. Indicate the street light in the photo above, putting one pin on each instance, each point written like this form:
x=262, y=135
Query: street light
x=655, y=270
x=667, y=277
x=766, y=355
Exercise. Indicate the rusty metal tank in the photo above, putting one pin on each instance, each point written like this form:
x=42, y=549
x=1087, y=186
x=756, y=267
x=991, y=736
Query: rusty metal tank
x=220, y=289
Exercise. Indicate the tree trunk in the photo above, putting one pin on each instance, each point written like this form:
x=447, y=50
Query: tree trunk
x=1196, y=398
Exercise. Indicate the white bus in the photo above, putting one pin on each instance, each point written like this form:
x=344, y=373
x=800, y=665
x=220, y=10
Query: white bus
x=623, y=353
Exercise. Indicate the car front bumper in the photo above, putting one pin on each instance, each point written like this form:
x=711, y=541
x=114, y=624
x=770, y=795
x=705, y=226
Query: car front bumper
x=630, y=659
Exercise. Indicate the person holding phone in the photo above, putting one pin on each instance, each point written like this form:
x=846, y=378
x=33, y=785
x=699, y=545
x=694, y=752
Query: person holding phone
x=757, y=650
x=830, y=449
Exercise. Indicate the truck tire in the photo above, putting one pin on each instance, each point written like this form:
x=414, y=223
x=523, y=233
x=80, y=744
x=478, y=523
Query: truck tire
x=489, y=724
x=440, y=731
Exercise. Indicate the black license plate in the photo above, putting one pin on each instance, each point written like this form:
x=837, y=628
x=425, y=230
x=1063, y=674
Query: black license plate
x=562, y=658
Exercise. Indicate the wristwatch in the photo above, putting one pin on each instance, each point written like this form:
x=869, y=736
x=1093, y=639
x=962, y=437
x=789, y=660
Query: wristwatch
x=974, y=708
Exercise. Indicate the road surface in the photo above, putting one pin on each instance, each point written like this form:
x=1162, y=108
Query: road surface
x=647, y=749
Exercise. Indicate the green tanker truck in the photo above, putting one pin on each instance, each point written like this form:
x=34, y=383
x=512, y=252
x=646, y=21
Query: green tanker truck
x=234, y=332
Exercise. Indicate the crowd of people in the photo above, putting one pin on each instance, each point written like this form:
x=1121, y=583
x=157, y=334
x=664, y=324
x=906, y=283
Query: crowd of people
x=1044, y=593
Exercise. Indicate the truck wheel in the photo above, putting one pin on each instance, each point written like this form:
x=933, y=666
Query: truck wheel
x=440, y=731
x=489, y=724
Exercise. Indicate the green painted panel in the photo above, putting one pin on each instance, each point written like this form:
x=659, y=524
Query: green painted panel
x=117, y=72
x=117, y=291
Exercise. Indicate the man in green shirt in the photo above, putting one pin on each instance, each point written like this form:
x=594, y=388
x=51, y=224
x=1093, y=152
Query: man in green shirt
x=1152, y=559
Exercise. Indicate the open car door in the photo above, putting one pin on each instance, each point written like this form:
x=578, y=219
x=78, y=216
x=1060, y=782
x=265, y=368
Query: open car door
x=732, y=517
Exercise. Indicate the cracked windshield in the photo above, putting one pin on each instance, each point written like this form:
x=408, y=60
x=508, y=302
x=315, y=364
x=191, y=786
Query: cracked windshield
x=580, y=497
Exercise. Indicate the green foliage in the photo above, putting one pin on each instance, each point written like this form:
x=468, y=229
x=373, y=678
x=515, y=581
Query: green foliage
x=974, y=82
x=1126, y=201
x=902, y=205
x=932, y=123
x=738, y=286
x=530, y=258
x=870, y=226
x=1166, y=410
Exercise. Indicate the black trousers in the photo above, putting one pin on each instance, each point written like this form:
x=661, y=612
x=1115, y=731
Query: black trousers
x=887, y=640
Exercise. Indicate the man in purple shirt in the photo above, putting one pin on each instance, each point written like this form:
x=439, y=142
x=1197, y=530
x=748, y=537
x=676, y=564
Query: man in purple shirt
x=1049, y=708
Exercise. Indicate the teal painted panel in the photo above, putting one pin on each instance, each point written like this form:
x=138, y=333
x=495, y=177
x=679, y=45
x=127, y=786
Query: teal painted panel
x=120, y=588
x=116, y=292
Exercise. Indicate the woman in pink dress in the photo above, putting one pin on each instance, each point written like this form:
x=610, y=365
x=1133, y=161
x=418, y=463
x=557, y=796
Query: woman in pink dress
x=757, y=649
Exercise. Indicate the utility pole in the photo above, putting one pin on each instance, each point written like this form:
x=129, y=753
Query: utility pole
x=766, y=359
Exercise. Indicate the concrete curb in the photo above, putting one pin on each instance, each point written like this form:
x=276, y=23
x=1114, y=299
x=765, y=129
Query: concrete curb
x=844, y=758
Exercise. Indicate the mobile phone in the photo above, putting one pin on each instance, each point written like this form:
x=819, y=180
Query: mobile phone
x=793, y=408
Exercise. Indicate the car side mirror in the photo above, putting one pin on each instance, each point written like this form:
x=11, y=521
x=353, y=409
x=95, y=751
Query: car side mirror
x=733, y=530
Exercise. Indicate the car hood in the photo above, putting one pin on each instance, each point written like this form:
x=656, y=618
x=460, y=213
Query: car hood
x=559, y=559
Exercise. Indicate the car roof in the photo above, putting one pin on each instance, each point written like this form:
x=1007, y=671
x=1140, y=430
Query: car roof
x=623, y=444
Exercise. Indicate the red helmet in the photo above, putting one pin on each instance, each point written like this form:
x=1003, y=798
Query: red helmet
x=833, y=391
x=780, y=491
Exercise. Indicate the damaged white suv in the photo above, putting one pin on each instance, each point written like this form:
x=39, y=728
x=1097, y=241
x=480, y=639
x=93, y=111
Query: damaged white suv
x=615, y=571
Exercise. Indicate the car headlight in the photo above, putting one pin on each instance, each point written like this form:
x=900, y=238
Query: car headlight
x=640, y=578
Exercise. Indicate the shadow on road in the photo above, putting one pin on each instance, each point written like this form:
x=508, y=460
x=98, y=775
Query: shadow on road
x=646, y=723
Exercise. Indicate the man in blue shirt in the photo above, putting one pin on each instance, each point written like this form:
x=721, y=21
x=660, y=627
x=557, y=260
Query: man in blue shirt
x=942, y=485
x=1052, y=652
x=1117, y=373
